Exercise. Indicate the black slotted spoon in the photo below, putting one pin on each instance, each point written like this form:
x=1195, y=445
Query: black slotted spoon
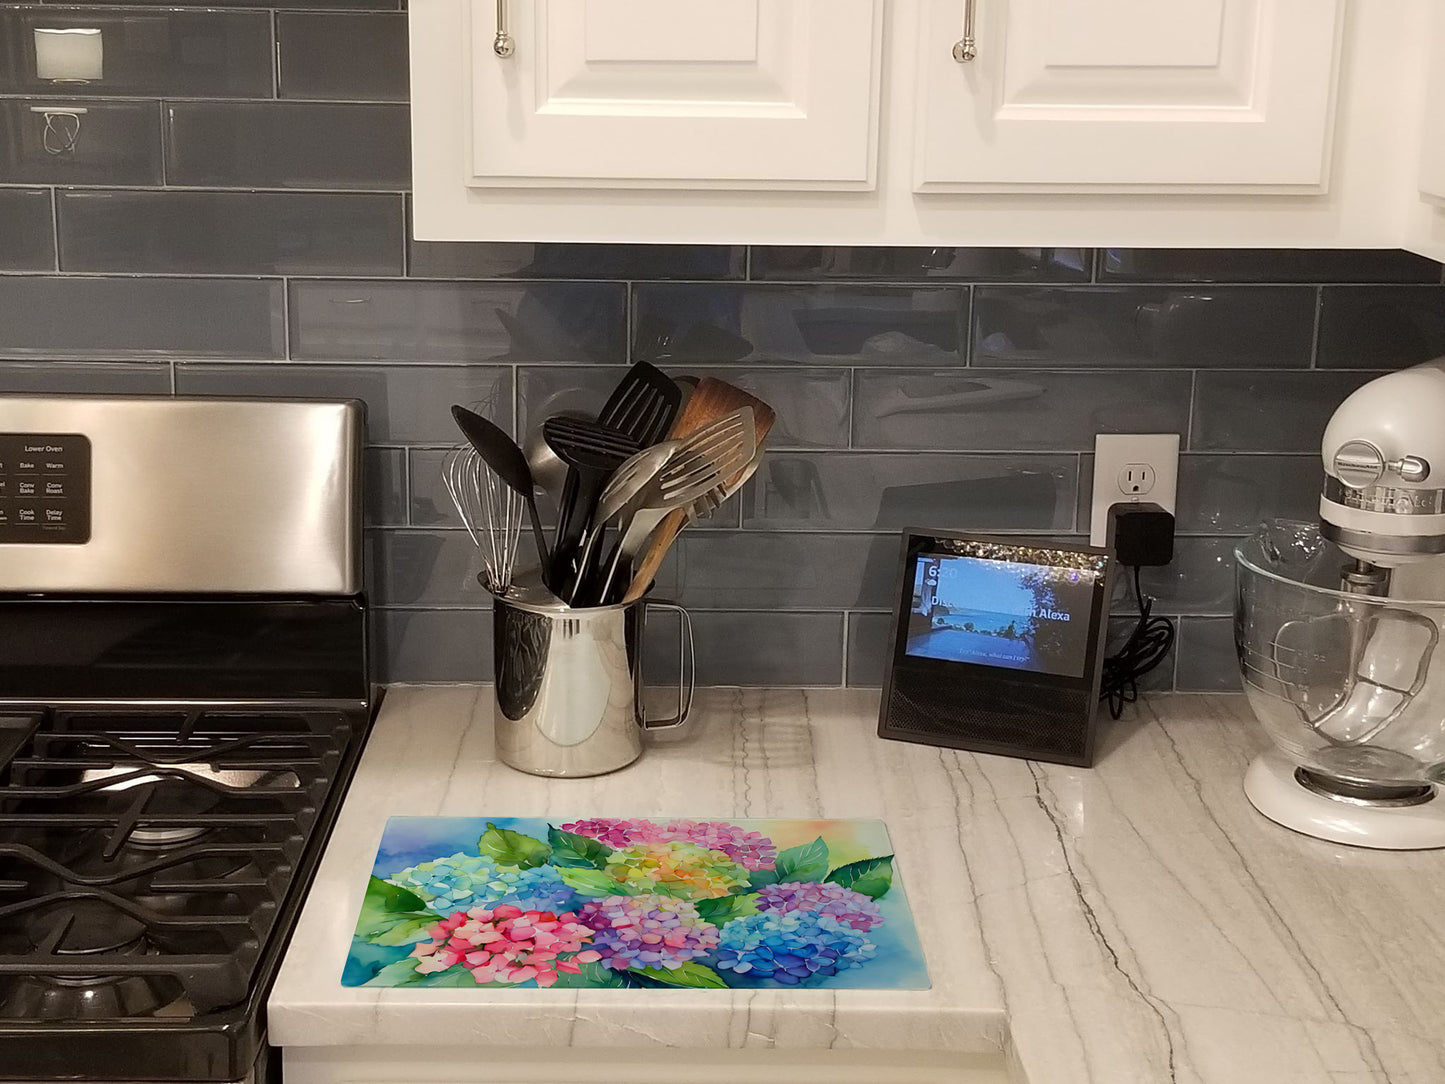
x=592, y=452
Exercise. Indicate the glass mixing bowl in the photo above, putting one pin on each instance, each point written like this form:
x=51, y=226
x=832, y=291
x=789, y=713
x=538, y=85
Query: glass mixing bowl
x=1350, y=687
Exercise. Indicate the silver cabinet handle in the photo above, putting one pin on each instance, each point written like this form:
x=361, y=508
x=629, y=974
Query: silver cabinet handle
x=966, y=47
x=502, y=44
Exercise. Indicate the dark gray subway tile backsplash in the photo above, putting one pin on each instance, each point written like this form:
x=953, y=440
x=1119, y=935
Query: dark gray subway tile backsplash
x=233, y=219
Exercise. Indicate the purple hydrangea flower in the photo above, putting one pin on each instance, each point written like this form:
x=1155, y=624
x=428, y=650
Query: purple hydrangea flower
x=647, y=931
x=791, y=947
x=848, y=907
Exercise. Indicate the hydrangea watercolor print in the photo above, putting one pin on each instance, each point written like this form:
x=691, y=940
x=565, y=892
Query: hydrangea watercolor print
x=635, y=903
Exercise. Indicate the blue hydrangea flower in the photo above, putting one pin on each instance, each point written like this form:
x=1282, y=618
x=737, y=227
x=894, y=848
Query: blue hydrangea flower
x=791, y=947
x=462, y=882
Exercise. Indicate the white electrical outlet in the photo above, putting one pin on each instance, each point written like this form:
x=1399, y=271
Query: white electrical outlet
x=1132, y=467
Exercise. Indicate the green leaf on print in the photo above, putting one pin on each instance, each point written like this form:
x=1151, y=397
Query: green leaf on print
x=453, y=978
x=407, y=930
x=805, y=862
x=694, y=975
x=509, y=848
x=570, y=850
x=385, y=908
x=593, y=882
x=400, y=973
x=591, y=976
x=870, y=876
x=722, y=909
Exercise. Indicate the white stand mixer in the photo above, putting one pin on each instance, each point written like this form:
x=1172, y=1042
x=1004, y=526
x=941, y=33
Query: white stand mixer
x=1338, y=646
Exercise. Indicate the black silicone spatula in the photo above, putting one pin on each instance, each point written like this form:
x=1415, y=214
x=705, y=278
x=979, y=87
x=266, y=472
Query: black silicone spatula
x=643, y=405
x=500, y=452
x=592, y=451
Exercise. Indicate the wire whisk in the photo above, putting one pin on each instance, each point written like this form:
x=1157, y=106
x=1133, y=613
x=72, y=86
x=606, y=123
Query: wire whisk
x=491, y=510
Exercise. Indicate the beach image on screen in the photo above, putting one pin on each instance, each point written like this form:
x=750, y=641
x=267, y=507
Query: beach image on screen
x=1001, y=613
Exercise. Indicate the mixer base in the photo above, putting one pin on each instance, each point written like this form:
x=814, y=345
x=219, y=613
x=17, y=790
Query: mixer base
x=1271, y=787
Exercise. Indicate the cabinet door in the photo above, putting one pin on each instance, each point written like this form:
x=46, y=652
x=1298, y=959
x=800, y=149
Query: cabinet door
x=676, y=94
x=1128, y=95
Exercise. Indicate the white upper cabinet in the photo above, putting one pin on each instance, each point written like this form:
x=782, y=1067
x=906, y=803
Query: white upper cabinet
x=1128, y=95
x=675, y=94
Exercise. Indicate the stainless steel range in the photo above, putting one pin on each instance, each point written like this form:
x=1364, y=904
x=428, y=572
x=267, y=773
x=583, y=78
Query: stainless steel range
x=183, y=697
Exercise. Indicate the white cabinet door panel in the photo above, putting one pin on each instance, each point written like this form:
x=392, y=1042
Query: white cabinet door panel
x=677, y=94
x=1128, y=95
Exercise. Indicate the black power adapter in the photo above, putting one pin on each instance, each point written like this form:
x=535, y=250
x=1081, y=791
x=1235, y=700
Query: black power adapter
x=1139, y=534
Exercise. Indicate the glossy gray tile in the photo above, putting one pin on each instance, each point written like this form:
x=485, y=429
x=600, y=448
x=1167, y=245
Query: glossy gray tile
x=1217, y=327
x=347, y=56
x=423, y=568
x=27, y=230
x=868, y=648
x=723, y=323
x=1207, y=660
x=288, y=145
x=921, y=264
x=436, y=646
x=114, y=143
x=1158, y=680
x=177, y=52
x=1381, y=327
x=98, y=377
x=404, y=404
x=1017, y=410
x=429, y=505
x=444, y=321
x=1200, y=580
x=872, y=491
x=230, y=233
x=57, y=316
x=1264, y=265
x=384, y=472
x=1267, y=412
x=500, y=259
x=764, y=649
x=1232, y=494
x=778, y=570
x=811, y=404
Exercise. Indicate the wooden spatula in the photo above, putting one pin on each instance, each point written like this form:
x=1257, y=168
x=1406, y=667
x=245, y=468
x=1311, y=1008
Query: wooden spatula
x=712, y=399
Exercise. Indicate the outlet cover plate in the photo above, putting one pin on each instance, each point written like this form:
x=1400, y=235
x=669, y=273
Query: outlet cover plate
x=1115, y=451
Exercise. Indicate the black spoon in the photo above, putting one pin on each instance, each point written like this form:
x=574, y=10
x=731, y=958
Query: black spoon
x=500, y=452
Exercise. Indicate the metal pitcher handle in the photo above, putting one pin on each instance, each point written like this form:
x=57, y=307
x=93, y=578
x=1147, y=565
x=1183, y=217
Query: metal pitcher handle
x=687, y=679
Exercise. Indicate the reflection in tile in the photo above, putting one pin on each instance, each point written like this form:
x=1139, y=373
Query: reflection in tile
x=117, y=143
x=506, y=259
x=1017, y=410
x=177, y=53
x=429, y=505
x=1267, y=412
x=288, y=145
x=384, y=470
x=867, y=491
x=442, y=321
x=55, y=316
x=729, y=323
x=868, y=648
x=811, y=404
x=1381, y=327
x=423, y=568
x=349, y=57
x=27, y=230
x=97, y=377
x=432, y=645
x=1200, y=580
x=922, y=264
x=1216, y=327
x=1207, y=660
x=404, y=403
x=758, y=648
x=232, y=233
x=1230, y=494
x=784, y=570
x=1265, y=265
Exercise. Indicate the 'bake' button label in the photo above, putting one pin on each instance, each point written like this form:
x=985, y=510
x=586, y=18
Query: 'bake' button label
x=26, y=464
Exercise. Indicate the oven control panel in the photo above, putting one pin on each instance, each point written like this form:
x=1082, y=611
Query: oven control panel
x=44, y=488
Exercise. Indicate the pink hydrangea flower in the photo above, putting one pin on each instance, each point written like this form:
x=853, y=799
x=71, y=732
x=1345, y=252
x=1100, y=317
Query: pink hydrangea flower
x=751, y=850
x=507, y=944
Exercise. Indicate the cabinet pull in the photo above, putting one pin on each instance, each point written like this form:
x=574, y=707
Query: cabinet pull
x=966, y=47
x=502, y=44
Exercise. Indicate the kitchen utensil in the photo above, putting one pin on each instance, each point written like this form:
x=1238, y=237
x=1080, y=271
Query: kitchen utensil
x=644, y=405
x=625, y=484
x=501, y=453
x=569, y=684
x=592, y=452
x=548, y=472
x=712, y=399
x=490, y=510
x=701, y=465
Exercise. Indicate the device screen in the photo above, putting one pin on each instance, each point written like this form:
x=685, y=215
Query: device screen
x=1001, y=613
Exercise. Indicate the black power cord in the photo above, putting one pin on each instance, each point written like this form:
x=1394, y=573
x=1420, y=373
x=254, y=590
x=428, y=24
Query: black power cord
x=1145, y=649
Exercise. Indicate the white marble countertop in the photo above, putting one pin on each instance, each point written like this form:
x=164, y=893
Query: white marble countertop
x=1138, y=922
